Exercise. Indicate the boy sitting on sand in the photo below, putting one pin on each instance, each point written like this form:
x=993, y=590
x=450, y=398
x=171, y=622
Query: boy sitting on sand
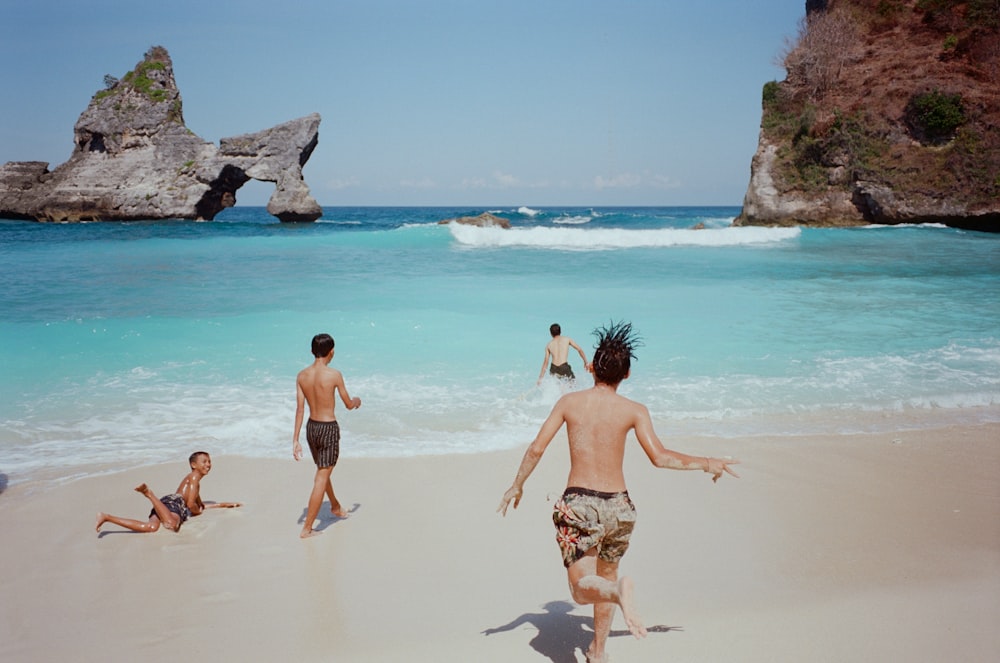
x=172, y=510
x=594, y=517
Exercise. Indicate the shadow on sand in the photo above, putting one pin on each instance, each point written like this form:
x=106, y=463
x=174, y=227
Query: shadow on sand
x=325, y=517
x=560, y=634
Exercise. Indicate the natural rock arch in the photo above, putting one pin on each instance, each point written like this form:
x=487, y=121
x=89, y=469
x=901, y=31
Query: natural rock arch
x=135, y=159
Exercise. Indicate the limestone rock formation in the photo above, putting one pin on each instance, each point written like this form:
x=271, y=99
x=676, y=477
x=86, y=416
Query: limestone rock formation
x=890, y=113
x=135, y=159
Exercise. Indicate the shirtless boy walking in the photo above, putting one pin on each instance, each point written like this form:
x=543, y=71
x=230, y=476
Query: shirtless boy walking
x=594, y=517
x=172, y=510
x=557, y=352
x=318, y=385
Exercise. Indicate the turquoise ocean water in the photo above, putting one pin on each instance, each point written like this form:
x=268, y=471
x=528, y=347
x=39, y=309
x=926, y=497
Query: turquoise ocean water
x=129, y=343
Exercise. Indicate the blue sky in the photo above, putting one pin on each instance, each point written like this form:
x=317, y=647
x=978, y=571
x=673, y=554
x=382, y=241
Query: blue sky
x=430, y=102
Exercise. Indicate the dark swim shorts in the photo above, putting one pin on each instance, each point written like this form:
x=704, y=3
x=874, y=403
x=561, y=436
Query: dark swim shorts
x=324, y=442
x=586, y=518
x=562, y=371
x=175, y=504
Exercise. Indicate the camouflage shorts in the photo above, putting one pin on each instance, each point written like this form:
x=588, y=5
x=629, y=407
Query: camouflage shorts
x=587, y=518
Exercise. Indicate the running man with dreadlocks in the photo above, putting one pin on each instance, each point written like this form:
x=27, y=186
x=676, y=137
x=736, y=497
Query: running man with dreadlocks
x=594, y=517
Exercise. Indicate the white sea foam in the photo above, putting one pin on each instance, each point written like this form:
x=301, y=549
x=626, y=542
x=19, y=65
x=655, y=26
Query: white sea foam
x=883, y=226
x=527, y=211
x=578, y=239
x=718, y=222
x=130, y=421
x=573, y=220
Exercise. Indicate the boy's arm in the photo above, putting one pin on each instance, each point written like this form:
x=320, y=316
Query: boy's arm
x=545, y=362
x=665, y=458
x=531, y=458
x=222, y=505
x=349, y=403
x=573, y=344
x=300, y=407
x=190, y=490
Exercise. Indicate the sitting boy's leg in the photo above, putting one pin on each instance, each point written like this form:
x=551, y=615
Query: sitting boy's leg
x=169, y=519
x=150, y=525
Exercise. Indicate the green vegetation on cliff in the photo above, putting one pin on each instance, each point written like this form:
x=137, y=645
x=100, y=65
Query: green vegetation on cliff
x=901, y=93
x=139, y=80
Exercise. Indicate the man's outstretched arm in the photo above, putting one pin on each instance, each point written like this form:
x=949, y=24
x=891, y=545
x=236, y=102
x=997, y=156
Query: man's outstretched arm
x=668, y=459
x=531, y=458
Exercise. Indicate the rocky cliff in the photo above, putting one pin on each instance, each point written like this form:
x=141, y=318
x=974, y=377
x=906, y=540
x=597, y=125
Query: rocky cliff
x=889, y=113
x=135, y=159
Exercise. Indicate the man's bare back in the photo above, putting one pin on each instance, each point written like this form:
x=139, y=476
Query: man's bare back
x=597, y=423
x=559, y=349
x=556, y=357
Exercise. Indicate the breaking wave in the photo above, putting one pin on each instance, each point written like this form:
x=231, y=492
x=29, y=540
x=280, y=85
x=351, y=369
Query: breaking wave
x=603, y=239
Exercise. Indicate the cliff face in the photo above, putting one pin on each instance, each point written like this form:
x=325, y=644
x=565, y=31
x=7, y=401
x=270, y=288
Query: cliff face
x=135, y=159
x=889, y=113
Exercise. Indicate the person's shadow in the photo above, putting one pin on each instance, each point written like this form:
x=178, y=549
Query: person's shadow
x=325, y=518
x=560, y=634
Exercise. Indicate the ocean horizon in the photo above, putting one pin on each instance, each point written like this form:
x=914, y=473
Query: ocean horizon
x=132, y=343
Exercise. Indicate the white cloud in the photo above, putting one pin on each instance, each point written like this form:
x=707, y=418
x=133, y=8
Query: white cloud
x=634, y=181
x=664, y=182
x=474, y=183
x=424, y=183
x=498, y=180
x=351, y=182
x=620, y=181
x=504, y=180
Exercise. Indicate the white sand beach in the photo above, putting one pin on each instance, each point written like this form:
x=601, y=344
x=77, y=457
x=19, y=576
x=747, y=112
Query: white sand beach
x=882, y=547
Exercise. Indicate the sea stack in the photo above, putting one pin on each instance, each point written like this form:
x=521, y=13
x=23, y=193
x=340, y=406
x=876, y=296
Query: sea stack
x=134, y=158
x=888, y=114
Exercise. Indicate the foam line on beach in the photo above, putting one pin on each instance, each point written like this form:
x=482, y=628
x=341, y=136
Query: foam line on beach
x=603, y=239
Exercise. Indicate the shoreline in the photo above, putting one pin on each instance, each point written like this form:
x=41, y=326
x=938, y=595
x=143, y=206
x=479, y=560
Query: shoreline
x=787, y=427
x=869, y=547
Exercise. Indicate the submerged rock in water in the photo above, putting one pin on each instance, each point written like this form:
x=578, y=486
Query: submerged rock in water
x=484, y=220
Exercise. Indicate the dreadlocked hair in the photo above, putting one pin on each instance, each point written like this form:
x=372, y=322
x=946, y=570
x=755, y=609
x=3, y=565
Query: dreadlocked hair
x=614, y=351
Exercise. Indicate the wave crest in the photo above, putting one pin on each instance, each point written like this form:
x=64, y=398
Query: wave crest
x=604, y=239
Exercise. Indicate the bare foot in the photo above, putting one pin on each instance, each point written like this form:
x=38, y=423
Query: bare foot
x=101, y=519
x=596, y=658
x=307, y=533
x=632, y=619
x=142, y=488
x=339, y=511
